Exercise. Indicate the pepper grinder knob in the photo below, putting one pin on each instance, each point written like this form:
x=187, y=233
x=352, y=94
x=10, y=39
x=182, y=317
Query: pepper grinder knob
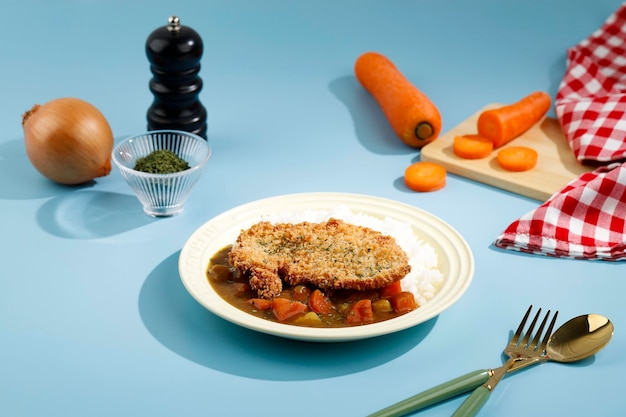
x=173, y=24
x=174, y=52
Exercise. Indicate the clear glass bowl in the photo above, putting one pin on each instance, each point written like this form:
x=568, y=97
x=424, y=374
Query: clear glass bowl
x=162, y=195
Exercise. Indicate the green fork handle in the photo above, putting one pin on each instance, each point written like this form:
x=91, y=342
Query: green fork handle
x=473, y=403
x=479, y=396
x=439, y=393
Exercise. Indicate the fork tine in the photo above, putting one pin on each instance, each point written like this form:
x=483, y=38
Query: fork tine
x=544, y=342
x=526, y=338
x=520, y=328
x=535, y=342
x=537, y=346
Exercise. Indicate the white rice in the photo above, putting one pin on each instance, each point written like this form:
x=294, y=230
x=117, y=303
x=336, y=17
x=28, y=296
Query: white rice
x=424, y=277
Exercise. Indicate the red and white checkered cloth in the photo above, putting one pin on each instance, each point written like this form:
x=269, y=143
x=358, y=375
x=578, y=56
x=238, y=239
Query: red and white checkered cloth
x=586, y=219
x=591, y=101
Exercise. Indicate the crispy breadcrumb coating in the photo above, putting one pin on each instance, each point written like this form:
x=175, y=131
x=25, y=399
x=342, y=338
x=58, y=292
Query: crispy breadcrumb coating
x=330, y=255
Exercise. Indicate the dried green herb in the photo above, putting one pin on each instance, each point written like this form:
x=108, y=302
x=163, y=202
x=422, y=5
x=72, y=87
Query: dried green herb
x=162, y=161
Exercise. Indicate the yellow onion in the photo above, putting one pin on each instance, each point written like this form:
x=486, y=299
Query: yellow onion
x=68, y=140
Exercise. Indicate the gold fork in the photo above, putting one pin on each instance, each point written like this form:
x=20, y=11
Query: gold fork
x=521, y=353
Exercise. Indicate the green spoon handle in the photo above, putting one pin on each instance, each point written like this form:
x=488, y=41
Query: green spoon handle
x=436, y=394
x=473, y=403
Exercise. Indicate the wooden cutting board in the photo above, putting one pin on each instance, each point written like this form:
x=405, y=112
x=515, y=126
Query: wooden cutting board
x=556, y=165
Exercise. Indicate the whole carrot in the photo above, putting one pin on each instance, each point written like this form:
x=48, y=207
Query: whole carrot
x=411, y=114
x=504, y=124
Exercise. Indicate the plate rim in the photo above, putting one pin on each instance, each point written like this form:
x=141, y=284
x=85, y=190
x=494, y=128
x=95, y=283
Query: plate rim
x=194, y=253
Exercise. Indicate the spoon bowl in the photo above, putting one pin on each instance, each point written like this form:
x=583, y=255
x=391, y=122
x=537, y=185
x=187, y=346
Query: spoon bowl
x=579, y=338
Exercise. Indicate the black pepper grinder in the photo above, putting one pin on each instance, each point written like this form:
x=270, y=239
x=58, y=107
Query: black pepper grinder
x=174, y=52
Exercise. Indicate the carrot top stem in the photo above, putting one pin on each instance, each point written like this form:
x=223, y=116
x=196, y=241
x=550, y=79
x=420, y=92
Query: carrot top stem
x=424, y=130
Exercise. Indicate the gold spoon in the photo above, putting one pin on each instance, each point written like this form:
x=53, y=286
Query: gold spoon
x=577, y=339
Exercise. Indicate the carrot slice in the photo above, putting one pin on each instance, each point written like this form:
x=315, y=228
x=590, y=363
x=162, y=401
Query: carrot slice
x=360, y=312
x=403, y=302
x=319, y=302
x=517, y=158
x=504, y=124
x=411, y=114
x=284, y=308
x=425, y=176
x=472, y=146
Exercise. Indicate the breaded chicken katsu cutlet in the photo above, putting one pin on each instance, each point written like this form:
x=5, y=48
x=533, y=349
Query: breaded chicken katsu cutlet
x=330, y=255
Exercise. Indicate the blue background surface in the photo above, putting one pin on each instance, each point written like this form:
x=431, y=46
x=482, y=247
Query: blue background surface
x=94, y=320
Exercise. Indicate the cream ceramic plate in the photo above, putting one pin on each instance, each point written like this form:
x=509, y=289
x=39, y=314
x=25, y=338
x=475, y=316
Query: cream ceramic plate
x=456, y=261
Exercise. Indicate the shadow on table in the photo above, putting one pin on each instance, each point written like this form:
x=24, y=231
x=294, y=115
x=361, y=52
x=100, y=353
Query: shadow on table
x=75, y=212
x=182, y=325
x=91, y=214
x=370, y=125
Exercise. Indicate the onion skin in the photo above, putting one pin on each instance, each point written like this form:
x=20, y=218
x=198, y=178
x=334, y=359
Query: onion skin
x=68, y=140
